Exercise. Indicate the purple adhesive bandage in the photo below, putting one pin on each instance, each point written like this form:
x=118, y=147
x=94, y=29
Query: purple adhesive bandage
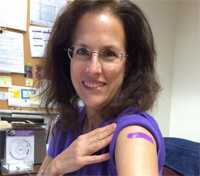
x=140, y=135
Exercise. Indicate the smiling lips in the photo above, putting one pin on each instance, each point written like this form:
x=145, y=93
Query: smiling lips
x=93, y=84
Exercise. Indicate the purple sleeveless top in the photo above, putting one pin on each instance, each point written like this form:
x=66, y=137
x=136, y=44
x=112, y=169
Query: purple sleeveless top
x=61, y=140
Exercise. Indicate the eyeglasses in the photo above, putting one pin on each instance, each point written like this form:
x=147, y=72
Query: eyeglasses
x=107, y=55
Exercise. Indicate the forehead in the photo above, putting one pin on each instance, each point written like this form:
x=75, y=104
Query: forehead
x=97, y=29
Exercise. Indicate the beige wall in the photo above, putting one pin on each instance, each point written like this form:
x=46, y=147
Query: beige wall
x=176, y=28
x=162, y=17
x=185, y=105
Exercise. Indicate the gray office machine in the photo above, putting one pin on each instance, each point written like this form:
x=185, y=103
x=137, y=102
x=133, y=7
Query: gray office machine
x=26, y=141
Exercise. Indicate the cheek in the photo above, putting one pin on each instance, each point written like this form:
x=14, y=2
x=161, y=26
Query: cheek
x=116, y=76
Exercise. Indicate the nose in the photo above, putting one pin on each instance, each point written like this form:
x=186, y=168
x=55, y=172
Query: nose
x=94, y=65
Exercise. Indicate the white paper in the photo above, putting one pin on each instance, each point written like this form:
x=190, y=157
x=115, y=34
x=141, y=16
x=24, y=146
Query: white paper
x=5, y=81
x=13, y=14
x=19, y=96
x=3, y=96
x=19, y=149
x=44, y=12
x=38, y=40
x=11, y=52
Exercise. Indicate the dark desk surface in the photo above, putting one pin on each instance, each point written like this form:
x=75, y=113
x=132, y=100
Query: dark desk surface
x=167, y=172
x=170, y=172
x=32, y=173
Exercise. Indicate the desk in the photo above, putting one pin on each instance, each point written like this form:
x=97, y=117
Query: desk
x=167, y=172
x=31, y=173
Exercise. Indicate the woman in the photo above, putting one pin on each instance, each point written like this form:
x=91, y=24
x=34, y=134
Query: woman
x=102, y=53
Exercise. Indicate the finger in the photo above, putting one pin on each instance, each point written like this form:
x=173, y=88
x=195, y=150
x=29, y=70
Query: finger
x=96, y=158
x=95, y=146
x=100, y=136
x=110, y=127
x=102, y=132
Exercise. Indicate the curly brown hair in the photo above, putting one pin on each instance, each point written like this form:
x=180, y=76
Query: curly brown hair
x=140, y=86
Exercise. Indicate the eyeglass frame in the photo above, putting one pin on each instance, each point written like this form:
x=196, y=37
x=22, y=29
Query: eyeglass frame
x=120, y=55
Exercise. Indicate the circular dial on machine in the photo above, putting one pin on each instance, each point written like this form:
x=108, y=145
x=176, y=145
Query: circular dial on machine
x=20, y=149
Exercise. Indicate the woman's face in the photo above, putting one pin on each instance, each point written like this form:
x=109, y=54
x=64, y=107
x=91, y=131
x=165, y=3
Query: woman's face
x=97, y=78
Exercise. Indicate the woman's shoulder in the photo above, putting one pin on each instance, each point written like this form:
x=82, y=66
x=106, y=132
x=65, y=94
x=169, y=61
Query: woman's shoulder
x=132, y=116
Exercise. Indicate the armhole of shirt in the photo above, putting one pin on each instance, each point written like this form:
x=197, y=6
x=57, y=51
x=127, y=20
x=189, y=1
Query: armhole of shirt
x=52, y=139
x=58, y=139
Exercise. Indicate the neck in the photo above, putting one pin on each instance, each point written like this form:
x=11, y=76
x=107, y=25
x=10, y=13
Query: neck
x=93, y=119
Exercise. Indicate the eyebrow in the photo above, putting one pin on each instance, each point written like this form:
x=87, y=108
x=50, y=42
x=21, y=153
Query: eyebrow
x=81, y=44
x=114, y=47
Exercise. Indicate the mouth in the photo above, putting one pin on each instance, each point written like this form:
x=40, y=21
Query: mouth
x=93, y=84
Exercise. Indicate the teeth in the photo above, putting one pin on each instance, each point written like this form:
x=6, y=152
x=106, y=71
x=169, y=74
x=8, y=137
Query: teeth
x=91, y=84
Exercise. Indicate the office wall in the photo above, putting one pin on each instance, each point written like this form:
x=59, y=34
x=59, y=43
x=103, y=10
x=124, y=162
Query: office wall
x=162, y=17
x=185, y=106
x=176, y=27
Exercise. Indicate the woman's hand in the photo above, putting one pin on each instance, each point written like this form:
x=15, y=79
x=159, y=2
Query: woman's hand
x=79, y=153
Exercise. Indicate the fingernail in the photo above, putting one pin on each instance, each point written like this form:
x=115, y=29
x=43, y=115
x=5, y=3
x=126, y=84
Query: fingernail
x=114, y=125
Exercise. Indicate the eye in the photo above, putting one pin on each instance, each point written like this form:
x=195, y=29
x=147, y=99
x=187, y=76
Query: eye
x=109, y=54
x=82, y=52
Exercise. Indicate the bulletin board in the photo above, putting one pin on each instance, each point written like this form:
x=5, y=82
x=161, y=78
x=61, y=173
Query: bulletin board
x=19, y=79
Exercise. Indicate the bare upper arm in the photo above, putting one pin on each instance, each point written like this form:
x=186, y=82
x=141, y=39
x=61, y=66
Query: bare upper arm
x=135, y=156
